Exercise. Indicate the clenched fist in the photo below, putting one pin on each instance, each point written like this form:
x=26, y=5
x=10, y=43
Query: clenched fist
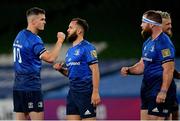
x=61, y=36
x=124, y=71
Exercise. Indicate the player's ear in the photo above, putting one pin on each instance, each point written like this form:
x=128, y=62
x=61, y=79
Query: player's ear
x=31, y=19
x=152, y=26
x=79, y=30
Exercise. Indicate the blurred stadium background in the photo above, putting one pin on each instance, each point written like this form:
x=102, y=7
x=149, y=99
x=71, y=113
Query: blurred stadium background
x=115, y=31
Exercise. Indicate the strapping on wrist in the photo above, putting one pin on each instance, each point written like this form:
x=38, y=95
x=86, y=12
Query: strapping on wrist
x=163, y=91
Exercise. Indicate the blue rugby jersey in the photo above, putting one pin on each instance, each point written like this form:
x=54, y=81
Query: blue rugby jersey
x=78, y=59
x=27, y=48
x=154, y=54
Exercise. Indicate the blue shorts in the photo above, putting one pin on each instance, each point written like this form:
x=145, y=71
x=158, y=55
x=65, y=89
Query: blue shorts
x=157, y=109
x=175, y=106
x=28, y=101
x=79, y=103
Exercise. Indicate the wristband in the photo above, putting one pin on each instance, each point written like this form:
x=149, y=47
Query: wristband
x=163, y=91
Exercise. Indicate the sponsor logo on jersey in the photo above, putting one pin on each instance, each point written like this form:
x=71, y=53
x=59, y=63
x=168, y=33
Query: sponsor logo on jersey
x=166, y=53
x=73, y=64
x=147, y=59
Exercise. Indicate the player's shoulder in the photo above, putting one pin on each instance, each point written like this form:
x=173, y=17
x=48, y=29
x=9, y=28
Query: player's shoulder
x=34, y=38
x=21, y=33
x=164, y=39
x=87, y=44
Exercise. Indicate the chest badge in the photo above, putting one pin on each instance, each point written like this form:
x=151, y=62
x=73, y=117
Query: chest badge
x=77, y=52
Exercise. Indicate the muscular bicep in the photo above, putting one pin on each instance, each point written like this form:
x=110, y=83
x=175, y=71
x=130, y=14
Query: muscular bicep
x=141, y=64
x=94, y=68
x=168, y=67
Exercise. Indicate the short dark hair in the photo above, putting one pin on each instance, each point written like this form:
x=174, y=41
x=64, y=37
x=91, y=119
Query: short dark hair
x=83, y=23
x=34, y=11
x=153, y=15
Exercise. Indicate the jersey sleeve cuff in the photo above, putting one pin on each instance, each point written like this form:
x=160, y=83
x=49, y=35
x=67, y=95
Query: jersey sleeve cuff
x=41, y=52
x=93, y=62
x=168, y=60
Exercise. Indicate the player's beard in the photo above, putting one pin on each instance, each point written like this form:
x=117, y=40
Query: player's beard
x=71, y=38
x=169, y=32
x=146, y=33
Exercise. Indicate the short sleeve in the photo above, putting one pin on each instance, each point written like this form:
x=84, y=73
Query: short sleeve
x=39, y=47
x=91, y=55
x=166, y=50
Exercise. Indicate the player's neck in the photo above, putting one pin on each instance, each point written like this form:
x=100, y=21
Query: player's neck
x=156, y=33
x=32, y=29
x=78, y=40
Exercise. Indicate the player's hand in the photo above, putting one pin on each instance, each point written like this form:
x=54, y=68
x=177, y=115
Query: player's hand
x=58, y=66
x=124, y=71
x=161, y=97
x=95, y=98
x=61, y=36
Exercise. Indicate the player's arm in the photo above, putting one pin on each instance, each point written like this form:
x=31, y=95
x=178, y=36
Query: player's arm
x=51, y=56
x=61, y=67
x=176, y=74
x=95, y=99
x=136, y=69
x=168, y=70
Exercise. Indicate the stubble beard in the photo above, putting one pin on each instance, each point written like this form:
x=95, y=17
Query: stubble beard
x=71, y=38
x=169, y=33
